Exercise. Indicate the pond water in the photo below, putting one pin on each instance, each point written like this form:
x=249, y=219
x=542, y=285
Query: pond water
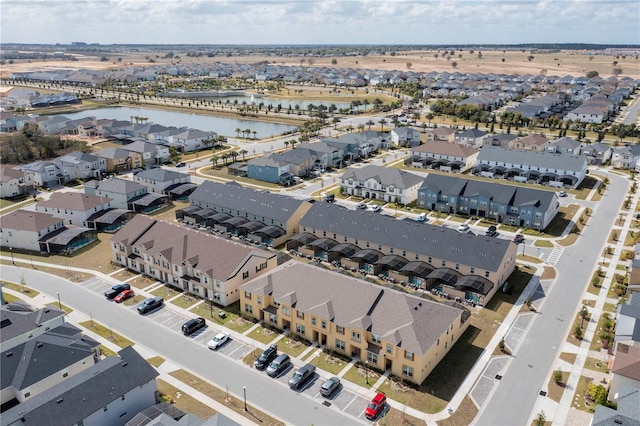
x=221, y=125
x=284, y=103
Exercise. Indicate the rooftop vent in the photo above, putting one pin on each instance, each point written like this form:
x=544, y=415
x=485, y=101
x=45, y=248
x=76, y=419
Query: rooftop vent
x=9, y=354
x=58, y=401
x=124, y=364
x=39, y=345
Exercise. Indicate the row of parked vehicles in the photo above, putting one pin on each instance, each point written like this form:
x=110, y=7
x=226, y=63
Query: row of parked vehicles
x=274, y=363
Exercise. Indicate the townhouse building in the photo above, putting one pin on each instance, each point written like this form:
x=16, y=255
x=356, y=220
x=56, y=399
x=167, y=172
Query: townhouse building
x=536, y=143
x=212, y=268
x=387, y=329
x=81, y=165
x=127, y=195
x=515, y=205
x=74, y=208
x=444, y=156
x=164, y=181
x=424, y=256
x=472, y=137
x=444, y=134
x=381, y=183
x=259, y=216
x=14, y=182
x=531, y=166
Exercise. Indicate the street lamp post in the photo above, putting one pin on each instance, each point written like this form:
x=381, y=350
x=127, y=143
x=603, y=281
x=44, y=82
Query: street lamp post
x=11, y=251
x=59, y=303
x=211, y=307
x=366, y=371
x=244, y=389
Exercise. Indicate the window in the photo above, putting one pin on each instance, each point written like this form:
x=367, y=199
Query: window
x=300, y=329
x=300, y=315
x=247, y=295
x=122, y=399
x=389, y=349
x=372, y=358
x=313, y=320
x=376, y=338
x=248, y=309
x=346, y=239
x=339, y=329
x=259, y=300
x=404, y=253
x=391, y=250
x=430, y=259
x=407, y=371
x=65, y=374
x=486, y=274
x=245, y=275
x=457, y=266
x=408, y=355
x=472, y=270
x=379, y=246
x=286, y=310
x=444, y=263
x=340, y=344
x=273, y=318
x=323, y=324
x=355, y=336
x=27, y=394
x=261, y=266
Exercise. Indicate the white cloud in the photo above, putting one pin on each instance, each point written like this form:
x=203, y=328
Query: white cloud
x=320, y=21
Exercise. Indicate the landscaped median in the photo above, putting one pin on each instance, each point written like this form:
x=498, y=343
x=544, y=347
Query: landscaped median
x=106, y=333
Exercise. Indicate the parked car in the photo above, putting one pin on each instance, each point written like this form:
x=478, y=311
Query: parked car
x=463, y=227
x=278, y=365
x=180, y=164
x=330, y=198
x=519, y=238
x=116, y=290
x=218, y=340
x=491, y=231
x=376, y=208
x=330, y=386
x=302, y=376
x=422, y=217
x=266, y=357
x=124, y=295
x=562, y=194
x=150, y=304
x=376, y=406
x=362, y=206
x=193, y=325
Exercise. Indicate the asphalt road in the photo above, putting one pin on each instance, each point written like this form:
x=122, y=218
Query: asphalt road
x=515, y=397
x=262, y=392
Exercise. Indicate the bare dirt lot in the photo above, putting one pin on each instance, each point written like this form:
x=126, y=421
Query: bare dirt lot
x=575, y=63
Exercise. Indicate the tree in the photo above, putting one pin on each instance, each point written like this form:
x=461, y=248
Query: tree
x=370, y=123
x=557, y=376
x=254, y=132
x=174, y=155
x=577, y=331
x=334, y=61
x=454, y=64
x=617, y=71
x=214, y=159
x=530, y=58
x=243, y=152
x=592, y=74
x=286, y=144
x=238, y=130
x=409, y=65
x=541, y=419
x=584, y=313
x=382, y=122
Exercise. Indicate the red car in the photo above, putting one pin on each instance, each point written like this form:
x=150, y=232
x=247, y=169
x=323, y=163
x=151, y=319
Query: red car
x=123, y=295
x=376, y=406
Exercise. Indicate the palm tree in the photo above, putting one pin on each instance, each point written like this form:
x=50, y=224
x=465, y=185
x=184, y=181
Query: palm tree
x=255, y=132
x=370, y=123
x=233, y=155
x=382, y=122
x=214, y=159
x=293, y=143
x=360, y=127
x=238, y=130
x=335, y=121
x=243, y=152
x=247, y=132
x=286, y=144
x=225, y=157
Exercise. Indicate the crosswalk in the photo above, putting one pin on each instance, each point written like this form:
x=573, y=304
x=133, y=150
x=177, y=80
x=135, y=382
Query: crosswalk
x=555, y=255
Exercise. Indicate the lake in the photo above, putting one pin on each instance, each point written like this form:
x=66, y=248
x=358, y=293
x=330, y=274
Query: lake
x=221, y=125
x=284, y=103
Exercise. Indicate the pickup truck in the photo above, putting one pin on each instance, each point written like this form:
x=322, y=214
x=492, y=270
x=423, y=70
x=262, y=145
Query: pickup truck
x=302, y=376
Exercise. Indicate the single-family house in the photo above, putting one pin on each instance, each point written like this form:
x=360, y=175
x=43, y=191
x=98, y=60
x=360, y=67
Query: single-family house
x=625, y=370
x=119, y=159
x=445, y=134
x=14, y=182
x=597, y=153
x=42, y=173
x=165, y=181
x=626, y=157
x=75, y=208
x=627, y=413
x=405, y=136
x=565, y=145
x=274, y=170
x=472, y=137
x=127, y=195
x=151, y=153
x=536, y=143
x=191, y=140
x=81, y=165
x=628, y=321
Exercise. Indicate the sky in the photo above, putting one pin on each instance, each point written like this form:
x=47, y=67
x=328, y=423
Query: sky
x=320, y=21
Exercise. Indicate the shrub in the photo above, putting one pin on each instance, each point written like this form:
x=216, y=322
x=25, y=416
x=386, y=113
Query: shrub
x=578, y=332
x=557, y=376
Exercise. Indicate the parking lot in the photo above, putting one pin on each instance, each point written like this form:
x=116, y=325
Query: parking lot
x=342, y=399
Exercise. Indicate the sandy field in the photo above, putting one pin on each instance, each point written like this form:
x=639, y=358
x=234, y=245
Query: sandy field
x=575, y=63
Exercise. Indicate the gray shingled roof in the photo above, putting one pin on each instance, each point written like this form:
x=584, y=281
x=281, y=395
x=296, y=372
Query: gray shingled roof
x=116, y=185
x=160, y=175
x=239, y=198
x=386, y=176
x=84, y=393
x=478, y=251
x=407, y=321
x=43, y=356
x=533, y=158
x=627, y=414
x=18, y=322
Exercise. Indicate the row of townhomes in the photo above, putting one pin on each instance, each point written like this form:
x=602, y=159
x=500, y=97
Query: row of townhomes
x=53, y=373
x=390, y=330
x=197, y=262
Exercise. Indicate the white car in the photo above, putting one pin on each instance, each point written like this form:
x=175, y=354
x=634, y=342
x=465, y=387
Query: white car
x=376, y=208
x=218, y=340
x=463, y=227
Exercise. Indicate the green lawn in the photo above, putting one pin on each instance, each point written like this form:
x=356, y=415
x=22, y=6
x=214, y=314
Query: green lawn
x=543, y=243
x=27, y=291
x=358, y=376
x=156, y=361
x=292, y=347
x=166, y=292
x=186, y=301
x=65, y=308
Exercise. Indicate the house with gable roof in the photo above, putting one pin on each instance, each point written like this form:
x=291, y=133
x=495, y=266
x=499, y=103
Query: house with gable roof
x=597, y=153
x=405, y=136
x=565, y=145
x=14, y=182
x=445, y=134
x=81, y=165
x=472, y=137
